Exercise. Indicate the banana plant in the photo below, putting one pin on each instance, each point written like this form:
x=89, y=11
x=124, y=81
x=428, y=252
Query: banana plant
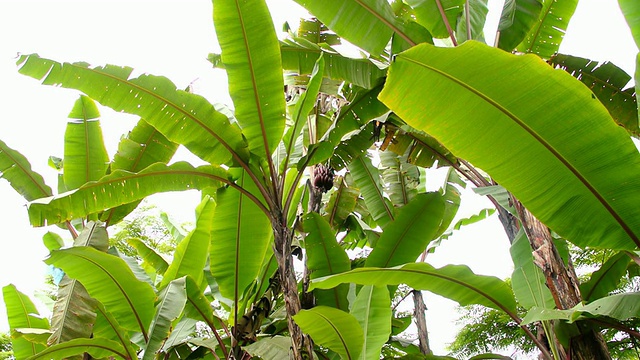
x=269, y=193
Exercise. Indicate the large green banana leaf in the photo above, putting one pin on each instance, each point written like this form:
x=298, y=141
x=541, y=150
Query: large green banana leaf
x=375, y=21
x=251, y=56
x=97, y=348
x=372, y=309
x=325, y=257
x=341, y=203
x=149, y=256
x=240, y=239
x=455, y=282
x=518, y=16
x=85, y=156
x=184, y=118
x=15, y=168
x=169, y=306
x=122, y=187
x=537, y=131
x=404, y=239
x=74, y=313
x=332, y=328
x=109, y=280
x=191, y=253
x=400, y=178
x=546, y=34
x=21, y=313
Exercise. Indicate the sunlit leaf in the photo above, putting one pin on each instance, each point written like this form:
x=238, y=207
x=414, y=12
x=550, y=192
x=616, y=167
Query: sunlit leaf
x=15, y=168
x=98, y=348
x=518, y=16
x=21, y=313
x=547, y=33
x=586, y=171
x=169, y=307
x=372, y=309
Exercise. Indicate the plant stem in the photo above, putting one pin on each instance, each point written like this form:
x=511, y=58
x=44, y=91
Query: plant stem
x=467, y=18
x=446, y=22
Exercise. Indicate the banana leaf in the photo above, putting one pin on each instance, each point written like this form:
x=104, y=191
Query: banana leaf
x=333, y=329
x=122, y=187
x=606, y=278
x=478, y=11
x=184, y=118
x=74, y=313
x=376, y=21
x=107, y=327
x=325, y=257
x=404, y=239
x=240, y=237
x=15, y=168
x=251, y=56
x=372, y=309
x=342, y=202
x=455, y=282
x=21, y=313
x=608, y=82
x=527, y=279
x=169, y=307
x=428, y=15
x=97, y=348
x=518, y=16
x=367, y=179
x=109, y=280
x=191, y=253
x=546, y=34
x=537, y=131
x=85, y=155
x=299, y=56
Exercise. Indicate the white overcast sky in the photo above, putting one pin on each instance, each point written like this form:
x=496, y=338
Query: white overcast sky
x=173, y=38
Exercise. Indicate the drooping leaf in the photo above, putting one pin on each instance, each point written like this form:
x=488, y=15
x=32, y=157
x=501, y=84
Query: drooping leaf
x=183, y=330
x=547, y=33
x=527, y=280
x=372, y=309
x=325, y=257
x=109, y=280
x=149, y=255
x=429, y=16
x=579, y=167
x=367, y=178
x=241, y=235
x=332, y=328
x=85, y=155
x=299, y=56
x=74, y=310
x=455, y=282
x=404, y=239
x=606, y=278
x=191, y=253
x=198, y=306
x=133, y=264
x=184, y=118
x=376, y=21
x=98, y=348
x=21, y=313
x=15, y=168
x=122, y=187
x=478, y=11
x=251, y=55
x=169, y=307
x=518, y=16
x=421, y=149
x=608, y=82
